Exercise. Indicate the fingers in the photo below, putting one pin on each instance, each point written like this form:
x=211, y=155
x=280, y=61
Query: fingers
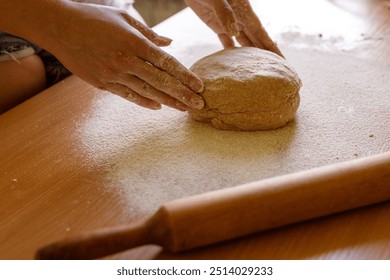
x=160, y=76
x=132, y=96
x=162, y=60
x=244, y=40
x=148, y=76
x=225, y=16
x=159, y=40
x=260, y=38
x=164, y=82
x=140, y=88
x=172, y=66
x=227, y=42
x=253, y=29
x=252, y=33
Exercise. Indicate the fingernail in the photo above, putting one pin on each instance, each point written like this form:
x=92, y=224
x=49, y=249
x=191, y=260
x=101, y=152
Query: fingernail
x=197, y=102
x=201, y=89
x=163, y=41
x=166, y=38
x=198, y=86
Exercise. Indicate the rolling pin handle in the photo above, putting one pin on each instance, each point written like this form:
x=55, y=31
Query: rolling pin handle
x=99, y=244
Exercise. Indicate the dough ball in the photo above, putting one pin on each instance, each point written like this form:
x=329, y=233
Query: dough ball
x=247, y=89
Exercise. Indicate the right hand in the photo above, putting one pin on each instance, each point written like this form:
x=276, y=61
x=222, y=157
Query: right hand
x=229, y=18
x=109, y=49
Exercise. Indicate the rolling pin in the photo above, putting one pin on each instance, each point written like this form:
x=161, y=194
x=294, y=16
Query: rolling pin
x=220, y=215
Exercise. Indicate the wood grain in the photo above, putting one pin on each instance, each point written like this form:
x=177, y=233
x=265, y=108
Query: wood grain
x=213, y=217
x=50, y=188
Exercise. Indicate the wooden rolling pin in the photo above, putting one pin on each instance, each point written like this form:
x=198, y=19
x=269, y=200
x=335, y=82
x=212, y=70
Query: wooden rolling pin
x=229, y=213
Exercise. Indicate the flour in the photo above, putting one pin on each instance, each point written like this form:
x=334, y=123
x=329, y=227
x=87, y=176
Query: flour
x=151, y=157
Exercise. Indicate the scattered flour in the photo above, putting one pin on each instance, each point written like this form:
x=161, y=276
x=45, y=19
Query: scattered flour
x=154, y=156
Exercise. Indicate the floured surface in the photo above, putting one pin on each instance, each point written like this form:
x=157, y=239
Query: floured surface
x=75, y=159
x=152, y=157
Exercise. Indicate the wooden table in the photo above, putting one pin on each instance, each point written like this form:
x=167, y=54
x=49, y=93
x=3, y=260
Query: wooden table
x=59, y=150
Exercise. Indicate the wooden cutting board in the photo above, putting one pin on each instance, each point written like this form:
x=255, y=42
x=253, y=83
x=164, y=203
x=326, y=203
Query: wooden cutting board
x=74, y=158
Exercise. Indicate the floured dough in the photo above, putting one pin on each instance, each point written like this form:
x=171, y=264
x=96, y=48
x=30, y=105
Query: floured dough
x=247, y=89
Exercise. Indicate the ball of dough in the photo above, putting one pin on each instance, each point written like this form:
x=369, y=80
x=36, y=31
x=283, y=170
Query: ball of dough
x=247, y=89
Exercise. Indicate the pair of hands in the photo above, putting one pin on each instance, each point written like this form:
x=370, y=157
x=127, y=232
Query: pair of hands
x=112, y=51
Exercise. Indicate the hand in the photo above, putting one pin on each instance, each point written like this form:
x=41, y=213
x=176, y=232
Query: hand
x=236, y=18
x=112, y=51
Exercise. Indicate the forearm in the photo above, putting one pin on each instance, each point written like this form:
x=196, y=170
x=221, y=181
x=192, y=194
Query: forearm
x=35, y=20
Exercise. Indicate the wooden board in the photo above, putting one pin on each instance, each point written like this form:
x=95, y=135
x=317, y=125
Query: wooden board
x=74, y=158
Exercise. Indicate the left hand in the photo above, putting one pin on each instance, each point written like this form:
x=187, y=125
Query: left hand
x=230, y=18
x=111, y=50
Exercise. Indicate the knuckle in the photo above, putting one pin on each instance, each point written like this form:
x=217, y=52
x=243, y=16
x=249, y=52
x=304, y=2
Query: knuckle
x=117, y=89
x=165, y=80
x=166, y=62
x=132, y=96
x=131, y=60
x=145, y=89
